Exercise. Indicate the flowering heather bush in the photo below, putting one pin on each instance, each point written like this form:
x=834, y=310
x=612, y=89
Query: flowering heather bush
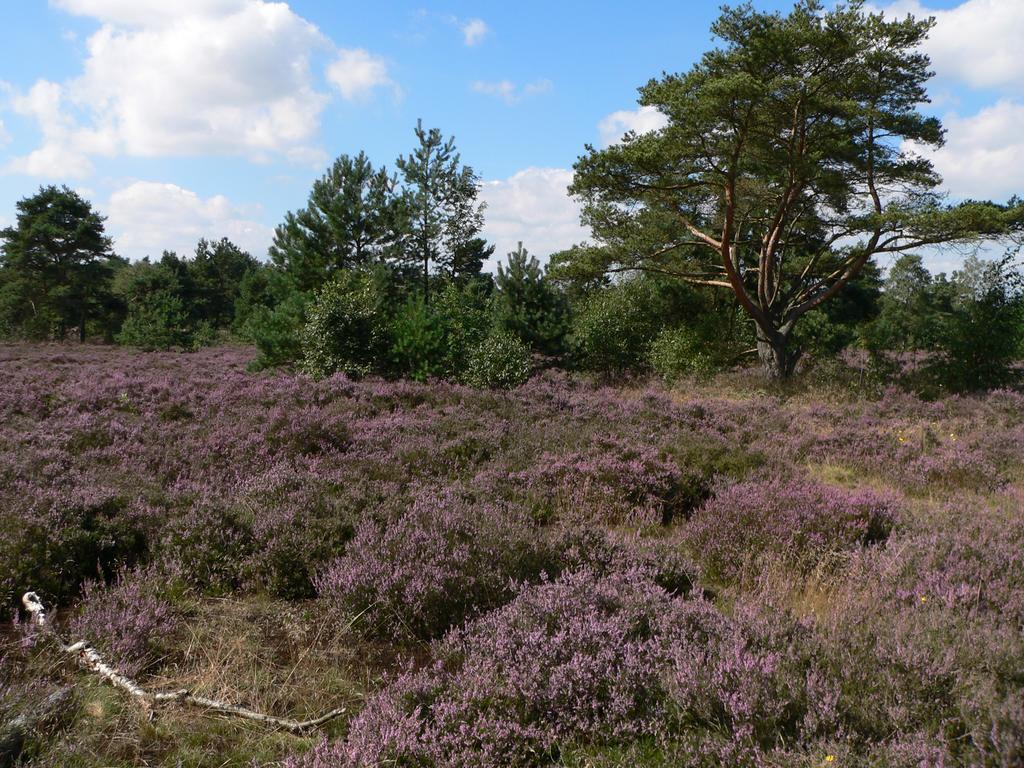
x=599, y=661
x=797, y=520
x=613, y=481
x=443, y=560
x=128, y=620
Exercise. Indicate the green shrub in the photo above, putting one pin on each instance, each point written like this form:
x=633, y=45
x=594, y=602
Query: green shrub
x=613, y=330
x=418, y=348
x=529, y=305
x=502, y=360
x=346, y=330
x=277, y=332
x=159, y=321
x=435, y=340
x=679, y=352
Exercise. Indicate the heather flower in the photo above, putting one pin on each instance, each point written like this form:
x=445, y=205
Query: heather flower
x=795, y=520
x=128, y=620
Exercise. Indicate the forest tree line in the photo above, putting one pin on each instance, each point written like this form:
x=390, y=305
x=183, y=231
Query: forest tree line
x=755, y=225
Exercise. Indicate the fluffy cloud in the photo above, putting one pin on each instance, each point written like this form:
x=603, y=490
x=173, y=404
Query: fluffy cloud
x=641, y=120
x=146, y=218
x=62, y=153
x=532, y=206
x=190, y=78
x=984, y=154
x=474, y=31
x=509, y=92
x=975, y=42
x=356, y=73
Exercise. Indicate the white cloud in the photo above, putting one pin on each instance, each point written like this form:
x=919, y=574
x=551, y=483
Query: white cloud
x=147, y=218
x=984, y=153
x=641, y=120
x=474, y=31
x=5, y=137
x=533, y=206
x=977, y=42
x=60, y=156
x=188, y=78
x=508, y=91
x=356, y=73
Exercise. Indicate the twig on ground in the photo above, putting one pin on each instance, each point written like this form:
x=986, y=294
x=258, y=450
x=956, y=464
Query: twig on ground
x=90, y=659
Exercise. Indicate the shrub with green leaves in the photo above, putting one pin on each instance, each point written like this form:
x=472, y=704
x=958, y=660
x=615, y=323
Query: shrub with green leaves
x=528, y=304
x=418, y=348
x=277, y=331
x=346, y=330
x=159, y=321
x=501, y=361
x=682, y=351
x=613, y=330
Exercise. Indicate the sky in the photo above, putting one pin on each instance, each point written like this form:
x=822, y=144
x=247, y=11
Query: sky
x=212, y=118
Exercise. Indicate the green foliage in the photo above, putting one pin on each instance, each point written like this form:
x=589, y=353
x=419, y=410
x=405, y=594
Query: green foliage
x=983, y=336
x=346, y=327
x=56, y=266
x=612, y=331
x=468, y=258
x=156, y=321
x=968, y=330
x=910, y=308
x=277, y=331
x=163, y=305
x=217, y=273
x=501, y=361
x=354, y=216
x=681, y=351
x=529, y=305
x=439, y=196
x=436, y=340
x=765, y=179
x=418, y=345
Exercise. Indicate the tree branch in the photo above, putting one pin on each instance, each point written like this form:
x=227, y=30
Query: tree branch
x=89, y=658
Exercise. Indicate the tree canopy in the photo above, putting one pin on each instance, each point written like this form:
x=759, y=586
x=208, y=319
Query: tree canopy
x=56, y=263
x=786, y=164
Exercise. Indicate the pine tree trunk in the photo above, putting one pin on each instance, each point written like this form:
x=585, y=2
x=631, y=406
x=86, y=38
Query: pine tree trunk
x=777, y=357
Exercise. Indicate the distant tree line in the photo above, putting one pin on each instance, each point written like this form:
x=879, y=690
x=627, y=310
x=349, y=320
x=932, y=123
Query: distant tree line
x=754, y=226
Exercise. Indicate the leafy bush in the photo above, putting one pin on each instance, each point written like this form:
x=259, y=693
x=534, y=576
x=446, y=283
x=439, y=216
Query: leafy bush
x=346, y=328
x=437, y=340
x=501, y=360
x=158, y=321
x=612, y=331
x=277, y=331
x=678, y=352
x=418, y=345
x=528, y=305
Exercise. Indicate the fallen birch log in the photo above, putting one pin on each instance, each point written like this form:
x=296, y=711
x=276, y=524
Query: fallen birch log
x=90, y=659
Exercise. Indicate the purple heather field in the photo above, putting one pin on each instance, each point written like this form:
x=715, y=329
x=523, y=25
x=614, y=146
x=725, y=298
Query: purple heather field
x=567, y=574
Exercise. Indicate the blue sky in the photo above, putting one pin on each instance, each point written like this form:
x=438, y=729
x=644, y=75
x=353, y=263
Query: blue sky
x=209, y=118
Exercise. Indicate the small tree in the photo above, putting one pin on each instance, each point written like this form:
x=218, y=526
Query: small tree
x=528, y=305
x=982, y=336
x=353, y=217
x=783, y=167
x=56, y=264
x=217, y=272
x=440, y=198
